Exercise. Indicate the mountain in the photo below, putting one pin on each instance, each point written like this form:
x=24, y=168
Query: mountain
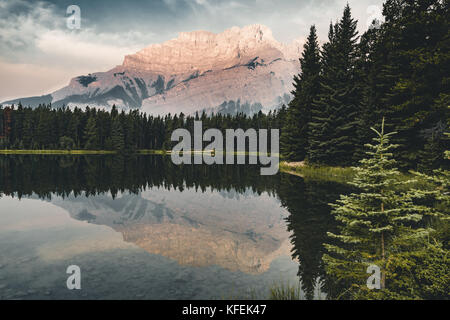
x=242, y=69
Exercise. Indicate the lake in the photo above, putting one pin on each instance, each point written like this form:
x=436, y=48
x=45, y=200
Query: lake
x=140, y=227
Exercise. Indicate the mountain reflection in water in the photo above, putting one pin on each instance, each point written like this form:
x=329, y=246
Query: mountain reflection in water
x=199, y=216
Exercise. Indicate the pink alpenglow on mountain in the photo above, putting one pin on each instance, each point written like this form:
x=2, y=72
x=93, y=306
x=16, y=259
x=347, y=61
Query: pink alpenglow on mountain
x=238, y=70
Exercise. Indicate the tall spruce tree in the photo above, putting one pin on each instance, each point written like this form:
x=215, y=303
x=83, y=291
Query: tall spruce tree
x=334, y=116
x=294, y=137
x=320, y=124
x=117, y=138
x=43, y=132
x=91, y=134
x=377, y=224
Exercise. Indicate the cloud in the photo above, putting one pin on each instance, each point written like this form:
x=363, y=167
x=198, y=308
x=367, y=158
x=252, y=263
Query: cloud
x=38, y=34
x=171, y=4
x=79, y=48
x=21, y=23
x=40, y=54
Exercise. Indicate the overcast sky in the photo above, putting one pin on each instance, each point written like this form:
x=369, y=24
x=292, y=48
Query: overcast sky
x=39, y=53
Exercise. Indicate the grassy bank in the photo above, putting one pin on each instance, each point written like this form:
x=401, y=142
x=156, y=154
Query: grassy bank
x=158, y=152
x=342, y=174
x=337, y=174
x=285, y=291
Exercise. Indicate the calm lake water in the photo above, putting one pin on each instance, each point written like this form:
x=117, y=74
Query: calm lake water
x=143, y=228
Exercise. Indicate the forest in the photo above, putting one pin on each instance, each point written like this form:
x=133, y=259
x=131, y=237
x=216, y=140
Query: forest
x=47, y=128
x=398, y=69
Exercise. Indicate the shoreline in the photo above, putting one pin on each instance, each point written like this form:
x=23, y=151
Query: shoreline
x=141, y=151
x=324, y=173
x=300, y=169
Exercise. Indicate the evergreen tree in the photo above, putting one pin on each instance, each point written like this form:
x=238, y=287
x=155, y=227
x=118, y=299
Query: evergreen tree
x=72, y=129
x=43, y=131
x=66, y=143
x=429, y=263
x=28, y=126
x=117, y=139
x=294, y=138
x=320, y=125
x=91, y=134
x=376, y=225
x=334, y=115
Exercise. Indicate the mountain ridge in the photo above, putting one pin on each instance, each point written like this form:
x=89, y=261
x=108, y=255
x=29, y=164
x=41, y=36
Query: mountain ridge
x=196, y=71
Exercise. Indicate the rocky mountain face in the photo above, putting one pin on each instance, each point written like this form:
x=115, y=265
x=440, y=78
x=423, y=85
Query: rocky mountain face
x=242, y=69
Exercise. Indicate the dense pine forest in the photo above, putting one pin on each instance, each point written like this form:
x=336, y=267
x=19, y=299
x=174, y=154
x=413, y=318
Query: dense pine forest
x=48, y=128
x=398, y=69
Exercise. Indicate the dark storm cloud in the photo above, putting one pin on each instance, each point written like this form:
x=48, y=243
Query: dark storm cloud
x=165, y=18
